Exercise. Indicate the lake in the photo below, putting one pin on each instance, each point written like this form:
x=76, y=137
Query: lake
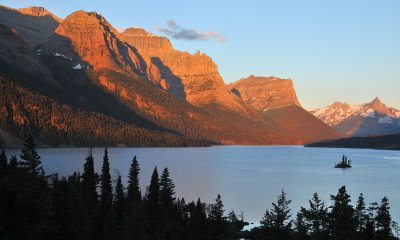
x=250, y=177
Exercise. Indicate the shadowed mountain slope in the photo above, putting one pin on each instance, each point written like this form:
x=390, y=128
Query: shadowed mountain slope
x=35, y=24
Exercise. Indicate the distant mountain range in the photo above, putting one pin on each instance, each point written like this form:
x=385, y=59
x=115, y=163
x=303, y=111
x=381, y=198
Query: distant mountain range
x=79, y=82
x=373, y=118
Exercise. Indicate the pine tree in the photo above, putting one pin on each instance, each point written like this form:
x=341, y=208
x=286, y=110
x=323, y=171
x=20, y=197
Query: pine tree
x=278, y=217
x=236, y=225
x=152, y=206
x=218, y=228
x=3, y=164
x=168, y=211
x=167, y=191
x=301, y=226
x=370, y=226
x=89, y=182
x=119, y=200
x=342, y=216
x=369, y=233
x=316, y=217
x=90, y=198
x=360, y=215
x=105, y=187
x=134, y=196
x=13, y=164
x=198, y=220
x=383, y=220
x=134, y=201
x=217, y=210
x=30, y=159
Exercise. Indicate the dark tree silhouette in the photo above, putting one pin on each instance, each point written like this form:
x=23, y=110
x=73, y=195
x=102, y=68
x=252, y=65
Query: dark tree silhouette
x=167, y=191
x=277, y=220
x=90, y=197
x=301, y=227
x=360, y=215
x=119, y=200
x=3, y=164
x=134, y=201
x=383, y=220
x=152, y=206
x=62, y=208
x=30, y=159
x=217, y=219
x=342, y=216
x=317, y=217
x=105, y=185
x=134, y=196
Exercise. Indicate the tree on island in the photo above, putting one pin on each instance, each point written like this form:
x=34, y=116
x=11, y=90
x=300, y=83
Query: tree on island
x=345, y=163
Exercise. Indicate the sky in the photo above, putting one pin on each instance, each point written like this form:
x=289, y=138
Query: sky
x=342, y=50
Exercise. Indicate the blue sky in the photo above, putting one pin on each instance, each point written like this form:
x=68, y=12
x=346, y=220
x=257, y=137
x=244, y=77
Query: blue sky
x=343, y=50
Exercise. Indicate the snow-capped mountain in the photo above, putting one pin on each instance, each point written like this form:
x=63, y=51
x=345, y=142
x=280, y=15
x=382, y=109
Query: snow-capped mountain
x=360, y=120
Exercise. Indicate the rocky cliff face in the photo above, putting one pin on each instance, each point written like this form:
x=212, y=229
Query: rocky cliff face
x=145, y=41
x=360, y=120
x=264, y=93
x=34, y=24
x=87, y=39
x=276, y=99
x=192, y=77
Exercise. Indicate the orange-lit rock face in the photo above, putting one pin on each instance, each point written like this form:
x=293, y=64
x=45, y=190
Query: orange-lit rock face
x=18, y=115
x=94, y=40
x=194, y=78
x=110, y=86
x=264, y=93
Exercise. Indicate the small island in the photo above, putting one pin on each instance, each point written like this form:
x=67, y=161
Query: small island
x=345, y=163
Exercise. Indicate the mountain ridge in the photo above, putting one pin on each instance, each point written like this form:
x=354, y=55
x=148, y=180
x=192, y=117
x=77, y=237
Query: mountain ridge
x=361, y=120
x=136, y=80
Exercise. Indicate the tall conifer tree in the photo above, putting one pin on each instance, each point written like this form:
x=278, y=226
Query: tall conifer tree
x=105, y=185
x=30, y=159
x=167, y=191
x=119, y=200
x=360, y=215
x=3, y=163
x=342, y=216
x=134, y=196
x=383, y=220
x=152, y=206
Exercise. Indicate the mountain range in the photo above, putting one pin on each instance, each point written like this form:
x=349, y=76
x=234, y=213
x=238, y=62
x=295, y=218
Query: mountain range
x=373, y=118
x=79, y=82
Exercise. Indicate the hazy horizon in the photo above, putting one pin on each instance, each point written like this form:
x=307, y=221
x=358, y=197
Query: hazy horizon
x=336, y=51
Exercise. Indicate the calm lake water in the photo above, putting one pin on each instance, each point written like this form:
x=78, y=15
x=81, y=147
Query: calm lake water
x=250, y=177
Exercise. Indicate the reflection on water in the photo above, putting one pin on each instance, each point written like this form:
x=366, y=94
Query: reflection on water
x=250, y=177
